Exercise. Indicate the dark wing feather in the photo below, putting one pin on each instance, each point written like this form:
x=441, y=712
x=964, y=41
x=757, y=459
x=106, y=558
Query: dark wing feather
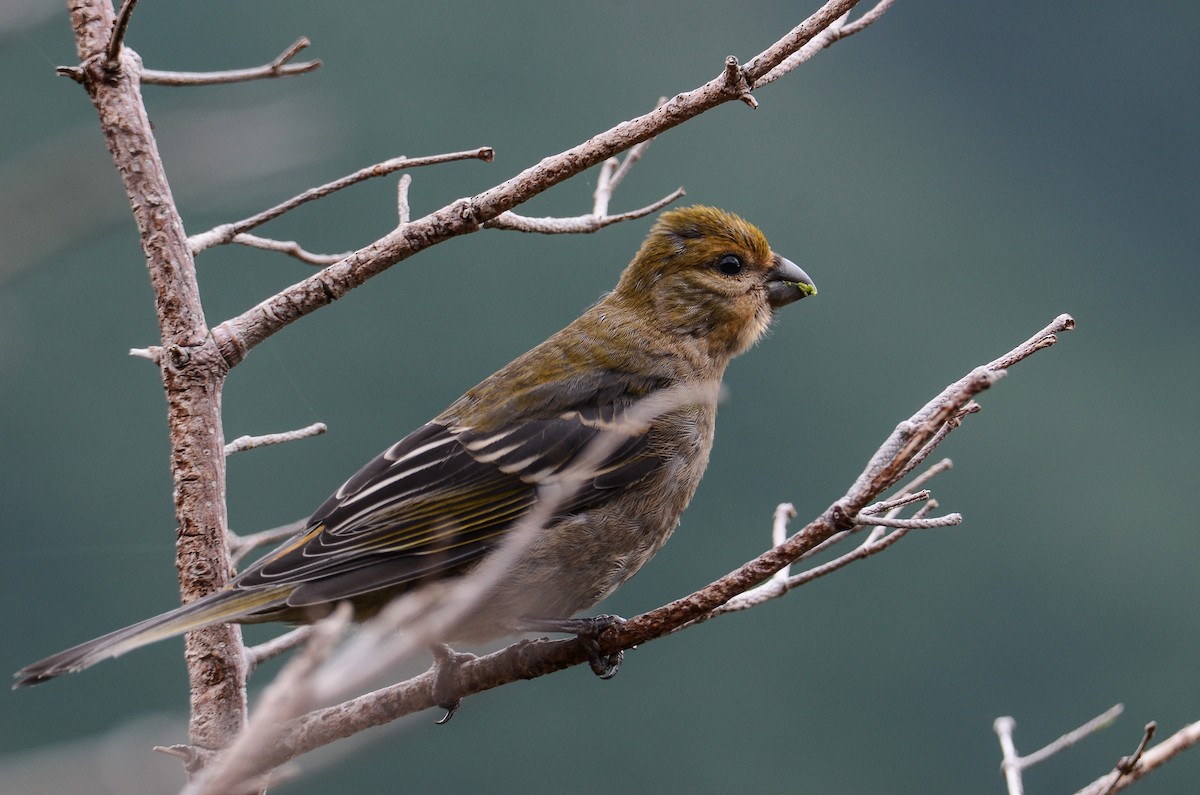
x=440, y=498
x=416, y=501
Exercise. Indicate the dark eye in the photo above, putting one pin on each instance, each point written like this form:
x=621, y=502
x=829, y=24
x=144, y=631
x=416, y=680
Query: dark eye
x=730, y=265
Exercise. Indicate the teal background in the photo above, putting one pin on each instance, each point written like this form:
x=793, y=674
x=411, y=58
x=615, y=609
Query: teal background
x=952, y=179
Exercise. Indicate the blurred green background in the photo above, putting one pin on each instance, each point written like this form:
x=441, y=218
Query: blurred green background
x=952, y=179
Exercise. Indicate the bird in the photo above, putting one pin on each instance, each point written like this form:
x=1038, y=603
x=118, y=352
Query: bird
x=702, y=288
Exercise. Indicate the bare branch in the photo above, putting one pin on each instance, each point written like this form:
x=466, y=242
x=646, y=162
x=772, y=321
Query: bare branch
x=612, y=171
x=738, y=83
x=240, y=546
x=871, y=546
x=952, y=423
x=226, y=232
x=838, y=30
x=1101, y=721
x=235, y=337
x=850, y=28
x=190, y=365
x=905, y=497
x=579, y=224
x=113, y=51
x=1013, y=764
x=289, y=247
x=893, y=459
x=1043, y=339
x=784, y=513
x=929, y=474
x=1127, y=764
x=949, y=520
x=402, y=209
x=1151, y=760
x=280, y=67
x=243, y=443
x=626, y=163
x=277, y=646
x=281, y=700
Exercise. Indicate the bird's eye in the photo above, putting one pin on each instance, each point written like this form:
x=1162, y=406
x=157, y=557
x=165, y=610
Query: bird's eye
x=729, y=265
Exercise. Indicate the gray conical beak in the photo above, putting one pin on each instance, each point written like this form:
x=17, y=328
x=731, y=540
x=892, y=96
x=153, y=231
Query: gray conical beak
x=787, y=282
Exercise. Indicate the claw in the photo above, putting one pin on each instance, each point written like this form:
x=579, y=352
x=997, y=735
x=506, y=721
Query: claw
x=604, y=666
x=450, y=708
x=445, y=679
x=588, y=631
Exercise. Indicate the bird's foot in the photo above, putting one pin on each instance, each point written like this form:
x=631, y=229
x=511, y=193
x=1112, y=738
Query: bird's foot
x=445, y=678
x=588, y=631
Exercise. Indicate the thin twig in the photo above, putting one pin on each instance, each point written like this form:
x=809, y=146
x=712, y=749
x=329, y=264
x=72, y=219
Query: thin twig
x=1101, y=721
x=952, y=423
x=243, y=443
x=402, y=209
x=284, y=698
x=929, y=474
x=226, y=232
x=905, y=497
x=240, y=546
x=238, y=335
x=873, y=545
x=277, y=646
x=850, y=28
x=113, y=51
x=631, y=157
x=580, y=224
x=289, y=247
x=949, y=520
x=840, y=29
x=614, y=170
x=784, y=513
x=1127, y=764
x=280, y=67
x=1013, y=764
x=784, y=581
x=1151, y=760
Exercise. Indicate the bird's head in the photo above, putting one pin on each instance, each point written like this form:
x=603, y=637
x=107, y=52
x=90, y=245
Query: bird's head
x=708, y=274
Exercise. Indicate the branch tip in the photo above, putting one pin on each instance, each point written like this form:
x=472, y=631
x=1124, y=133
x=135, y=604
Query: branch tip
x=297, y=46
x=279, y=66
x=225, y=233
x=243, y=443
x=73, y=72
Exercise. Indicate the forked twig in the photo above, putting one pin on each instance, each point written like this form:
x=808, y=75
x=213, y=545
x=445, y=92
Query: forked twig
x=225, y=233
x=281, y=66
x=578, y=224
x=1013, y=764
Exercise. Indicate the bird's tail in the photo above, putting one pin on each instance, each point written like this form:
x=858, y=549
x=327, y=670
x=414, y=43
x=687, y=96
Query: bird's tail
x=228, y=605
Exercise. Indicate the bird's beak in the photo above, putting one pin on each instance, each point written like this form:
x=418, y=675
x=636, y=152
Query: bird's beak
x=786, y=282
